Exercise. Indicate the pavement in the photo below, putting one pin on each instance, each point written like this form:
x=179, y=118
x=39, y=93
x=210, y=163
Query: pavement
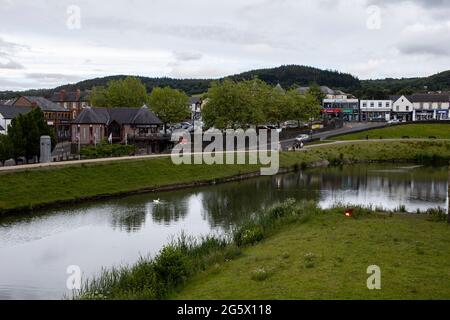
x=286, y=144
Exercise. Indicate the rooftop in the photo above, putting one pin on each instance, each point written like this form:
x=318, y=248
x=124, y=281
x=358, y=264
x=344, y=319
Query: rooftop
x=136, y=116
x=10, y=112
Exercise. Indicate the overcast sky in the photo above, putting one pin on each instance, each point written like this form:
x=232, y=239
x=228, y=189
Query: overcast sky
x=45, y=43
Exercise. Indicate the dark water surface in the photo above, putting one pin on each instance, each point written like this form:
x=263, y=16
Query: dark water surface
x=36, y=250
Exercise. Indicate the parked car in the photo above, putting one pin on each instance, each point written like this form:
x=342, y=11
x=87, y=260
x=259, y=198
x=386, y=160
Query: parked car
x=393, y=121
x=303, y=138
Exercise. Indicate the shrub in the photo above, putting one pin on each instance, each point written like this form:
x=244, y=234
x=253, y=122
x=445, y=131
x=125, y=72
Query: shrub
x=106, y=150
x=437, y=214
x=250, y=234
x=171, y=265
x=260, y=274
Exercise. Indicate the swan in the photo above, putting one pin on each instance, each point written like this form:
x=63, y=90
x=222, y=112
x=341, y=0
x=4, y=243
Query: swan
x=157, y=201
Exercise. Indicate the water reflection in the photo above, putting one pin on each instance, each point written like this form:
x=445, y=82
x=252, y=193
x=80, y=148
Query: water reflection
x=36, y=250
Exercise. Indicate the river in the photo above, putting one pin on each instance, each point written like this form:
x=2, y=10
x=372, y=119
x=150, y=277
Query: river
x=36, y=250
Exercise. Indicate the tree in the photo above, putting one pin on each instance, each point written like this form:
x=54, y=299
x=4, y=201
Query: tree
x=170, y=105
x=128, y=92
x=229, y=105
x=99, y=97
x=317, y=93
x=25, y=133
x=6, y=148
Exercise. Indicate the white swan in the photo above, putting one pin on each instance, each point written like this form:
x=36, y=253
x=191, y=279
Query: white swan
x=157, y=201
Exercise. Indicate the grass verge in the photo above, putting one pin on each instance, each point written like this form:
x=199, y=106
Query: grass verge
x=294, y=251
x=28, y=190
x=411, y=131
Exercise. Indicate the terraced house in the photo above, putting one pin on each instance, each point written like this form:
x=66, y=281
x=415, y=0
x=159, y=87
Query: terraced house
x=420, y=107
x=56, y=116
x=74, y=101
x=138, y=126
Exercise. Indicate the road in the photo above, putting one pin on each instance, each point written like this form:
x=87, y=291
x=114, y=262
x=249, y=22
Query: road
x=348, y=128
x=286, y=144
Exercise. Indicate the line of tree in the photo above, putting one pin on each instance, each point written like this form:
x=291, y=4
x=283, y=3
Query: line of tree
x=170, y=105
x=253, y=102
x=24, y=134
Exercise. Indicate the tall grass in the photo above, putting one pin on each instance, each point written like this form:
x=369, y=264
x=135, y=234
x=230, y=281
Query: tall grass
x=155, y=278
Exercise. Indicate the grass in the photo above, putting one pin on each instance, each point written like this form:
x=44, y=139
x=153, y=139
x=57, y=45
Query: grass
x=412, y=131
x=294, y=251
x=25, y=190
x=327, y=257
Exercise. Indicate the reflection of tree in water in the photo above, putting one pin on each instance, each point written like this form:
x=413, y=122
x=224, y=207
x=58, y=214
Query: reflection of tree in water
x=413, y=185
x=128, y=218
x=228, y=204
x=172, y=209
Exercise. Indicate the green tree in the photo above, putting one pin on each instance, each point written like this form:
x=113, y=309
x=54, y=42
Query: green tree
x=129, y=92
x=6, y=148
x=25, y=133
x=170, y=105
x=317, y=93
x=228, y=105
x=99, y=97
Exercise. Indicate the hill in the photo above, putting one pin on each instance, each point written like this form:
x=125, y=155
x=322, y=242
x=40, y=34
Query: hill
x=287, y=76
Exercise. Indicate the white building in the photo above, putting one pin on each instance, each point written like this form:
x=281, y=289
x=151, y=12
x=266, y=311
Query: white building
x=7, y=114
x=421, y=107
x=430, y=106
x=402, y=108
x=376, y=110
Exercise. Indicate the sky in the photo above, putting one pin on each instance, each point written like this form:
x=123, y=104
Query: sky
x=46, y=43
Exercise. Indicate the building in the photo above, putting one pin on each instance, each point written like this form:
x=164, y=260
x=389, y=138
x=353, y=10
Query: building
x=137, y=126
x=430, y=106
x=375, y=110
x=341, y=105
x=421, y=107
x=74, y=101
x=55, y=115
x=7, y=114
x=196, y=108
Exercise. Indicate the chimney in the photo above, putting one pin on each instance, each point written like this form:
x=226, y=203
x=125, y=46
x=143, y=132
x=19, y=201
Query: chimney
x=62, y=95
x=78, y=95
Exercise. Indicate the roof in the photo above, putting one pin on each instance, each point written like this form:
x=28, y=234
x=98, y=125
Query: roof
x=71, y=96
x=429, y=98
x=45, y=105
x=194, y=100
x=136, y=116
x=11, y=112
x=419, y=98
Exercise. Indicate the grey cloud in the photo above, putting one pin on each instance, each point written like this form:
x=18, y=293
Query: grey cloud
x=423, y=3
x=187, y=55
x=46, y=77
x=12, y=65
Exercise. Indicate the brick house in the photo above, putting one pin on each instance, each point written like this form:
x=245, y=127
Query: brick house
x=137, y=126
x=55, y=115
x=74, y=101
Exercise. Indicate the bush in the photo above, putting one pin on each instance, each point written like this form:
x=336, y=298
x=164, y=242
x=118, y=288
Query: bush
x=250, y=234
x=106, y=150
x=171, y=266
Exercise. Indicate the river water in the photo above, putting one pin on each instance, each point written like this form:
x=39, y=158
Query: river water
x=36, y=250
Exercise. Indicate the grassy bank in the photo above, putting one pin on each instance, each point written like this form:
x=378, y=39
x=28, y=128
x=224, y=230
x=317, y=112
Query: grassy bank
x=328, y=257
x=295, y=251
x=412, y=131
x=31, y=189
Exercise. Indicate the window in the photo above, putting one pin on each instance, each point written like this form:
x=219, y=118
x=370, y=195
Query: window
x=364, y=104
x=398, y=108
x=372, y=104
x=380, y=104
x=407, y=108
x=388, y=104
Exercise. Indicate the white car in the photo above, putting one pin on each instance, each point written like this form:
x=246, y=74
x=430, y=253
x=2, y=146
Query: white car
x=303, y=138
x=393, y=121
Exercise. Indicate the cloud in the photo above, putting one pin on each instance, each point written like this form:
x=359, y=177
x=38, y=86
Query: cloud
x=11, y=65
x=426, y=40
x=51, y=77
x=187, y=55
